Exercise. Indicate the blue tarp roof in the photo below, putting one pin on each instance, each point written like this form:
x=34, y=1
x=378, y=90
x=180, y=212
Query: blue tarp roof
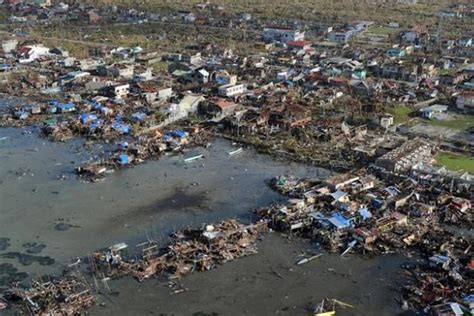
x=138, y=116
x=87, y=117
x=339, y=221
x=176, y=133
x=121, y=127
x=365, y=213
x=95, y=124
x=65, y=106
x=123, y=159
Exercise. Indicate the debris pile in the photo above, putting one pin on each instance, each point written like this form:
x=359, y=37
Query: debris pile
x=149, y=146
x=441, y=283
x=62, y=296
x=190, y=250
x=370, y=214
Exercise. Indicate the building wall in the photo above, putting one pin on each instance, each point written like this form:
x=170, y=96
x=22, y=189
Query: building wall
x=340, y=37
x=465, y=103
x=282, y=35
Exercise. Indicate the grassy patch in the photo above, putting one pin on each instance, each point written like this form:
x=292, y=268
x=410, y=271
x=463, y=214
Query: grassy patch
x=401, y=113
x=383, y=30
x=462, y=122
x=455, y=162
x=160, y=66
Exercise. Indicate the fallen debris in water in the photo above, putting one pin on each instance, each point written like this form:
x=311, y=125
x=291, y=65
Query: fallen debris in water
x=328, y=307
x=236, y=152
x=62, y=296
x=306, y=260
x=190, y=250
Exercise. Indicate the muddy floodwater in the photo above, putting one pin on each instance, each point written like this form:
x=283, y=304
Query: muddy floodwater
x=45, y=209
x=48, y=217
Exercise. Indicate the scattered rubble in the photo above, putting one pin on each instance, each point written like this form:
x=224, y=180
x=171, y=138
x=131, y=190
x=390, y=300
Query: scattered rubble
x=62, y=296
x=370, y=214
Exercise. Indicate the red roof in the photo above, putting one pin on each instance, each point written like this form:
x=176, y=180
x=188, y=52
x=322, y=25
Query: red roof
x=298, y=43
x=224, y=104
x=467, y=94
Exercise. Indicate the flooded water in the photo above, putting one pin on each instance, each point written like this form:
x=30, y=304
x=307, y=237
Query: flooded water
x=48, y=217
x=45, y=221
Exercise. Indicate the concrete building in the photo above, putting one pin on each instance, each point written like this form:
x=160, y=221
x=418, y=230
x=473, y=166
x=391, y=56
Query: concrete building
x=341, y=36
x=431, y=111
x=230, y=90
x=189, y=104
x=465, y=101
x=283, y=35
x=406, y=156
x=31, y=53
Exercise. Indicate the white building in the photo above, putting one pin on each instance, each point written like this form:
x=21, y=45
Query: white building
x=282, y=35
x=31, y=53
x=230, y=90
x=189, y=104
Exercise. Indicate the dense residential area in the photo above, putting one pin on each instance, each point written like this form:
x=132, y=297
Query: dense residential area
x=379, y=95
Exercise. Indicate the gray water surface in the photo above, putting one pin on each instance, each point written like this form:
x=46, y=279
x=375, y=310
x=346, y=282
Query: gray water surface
x=71, y=218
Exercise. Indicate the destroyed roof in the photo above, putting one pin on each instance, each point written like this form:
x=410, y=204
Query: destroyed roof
x=339, y=221
x=224, y=104
x=338, y=195
x=298, y=43
x=435, y=108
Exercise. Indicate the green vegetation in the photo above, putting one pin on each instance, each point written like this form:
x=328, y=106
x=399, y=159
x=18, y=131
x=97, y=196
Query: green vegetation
x=382, y=30
x=160, y=66
x=455, y=162
x=401, y=113
x=461, y=122
x=321, y=10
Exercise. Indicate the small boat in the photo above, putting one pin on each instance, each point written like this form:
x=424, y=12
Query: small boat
x=192, y=158
x=235, y=152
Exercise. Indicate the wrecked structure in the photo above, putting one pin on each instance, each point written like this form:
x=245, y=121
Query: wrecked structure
x=406, y=156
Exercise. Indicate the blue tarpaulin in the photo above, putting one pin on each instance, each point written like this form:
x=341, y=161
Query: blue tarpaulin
x=66, y=107
x=365, y=213
x=339, y=221
x=121, y=127
x=4, y=67
x=178, y=133
x=469, y=298
x=123, y=159
x=87, y=117
x=138, y=116
x=174, y=134
x=95, y=124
